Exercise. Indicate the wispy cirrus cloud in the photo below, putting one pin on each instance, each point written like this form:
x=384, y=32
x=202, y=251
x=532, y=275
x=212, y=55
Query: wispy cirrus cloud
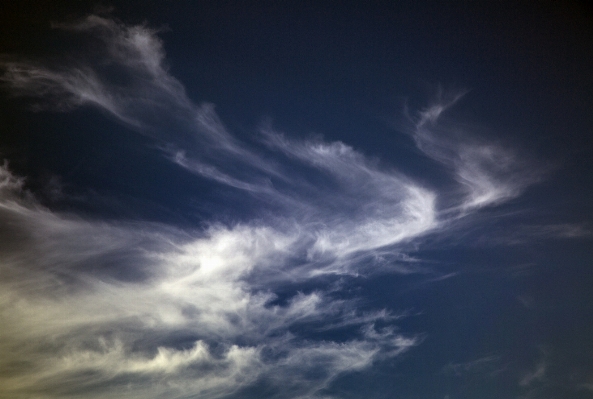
x=486, y=366
x=178, y=312
x=537, y=374
x=490, y=173
x=389, y=207
x=162, y=312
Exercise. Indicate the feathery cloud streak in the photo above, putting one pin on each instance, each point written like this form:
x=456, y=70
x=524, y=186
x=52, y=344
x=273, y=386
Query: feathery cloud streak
x=383, y=207
x=185, y=320
x=196, y=312
x=490, y=173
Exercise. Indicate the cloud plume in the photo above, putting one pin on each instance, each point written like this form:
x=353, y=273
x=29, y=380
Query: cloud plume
x=183, y=317
x=95, y=308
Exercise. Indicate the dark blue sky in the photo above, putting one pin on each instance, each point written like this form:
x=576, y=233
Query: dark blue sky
x=313, y=200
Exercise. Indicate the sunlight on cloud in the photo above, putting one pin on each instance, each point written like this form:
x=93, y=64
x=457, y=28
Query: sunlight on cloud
x=383, y=208
x=91, y=329
x=187, y=313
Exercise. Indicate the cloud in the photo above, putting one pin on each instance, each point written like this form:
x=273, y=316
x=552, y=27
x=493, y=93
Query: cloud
x=104, y=299
x=533, y=376
x=383, y=207
x=95, y=308
x=497, y=232
x=177, y=315
x=524, y=233
x=487, y=365
x=490, y=173
x=587, y=387
x=124, y=74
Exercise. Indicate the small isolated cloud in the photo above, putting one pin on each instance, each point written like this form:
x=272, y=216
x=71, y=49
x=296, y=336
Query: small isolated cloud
x=538, y=374
x=499, y=234
x=485, y=366
x=586, y=386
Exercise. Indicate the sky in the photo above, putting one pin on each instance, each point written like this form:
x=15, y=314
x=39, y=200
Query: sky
x=324, y=200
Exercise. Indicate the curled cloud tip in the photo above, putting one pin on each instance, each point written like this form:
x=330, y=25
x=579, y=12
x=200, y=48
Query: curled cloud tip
x=444, y=101
x=489, y=173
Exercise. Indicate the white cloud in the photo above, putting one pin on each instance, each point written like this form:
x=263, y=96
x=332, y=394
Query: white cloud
x=383, y=207
x=152, y=311
x=72, y=323
x=490, y=173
